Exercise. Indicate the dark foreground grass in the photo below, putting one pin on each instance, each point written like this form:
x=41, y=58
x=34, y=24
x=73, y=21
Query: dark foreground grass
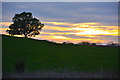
x=41, y=55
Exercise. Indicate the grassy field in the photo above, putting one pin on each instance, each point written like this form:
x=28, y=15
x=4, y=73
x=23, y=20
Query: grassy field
x=41, y=55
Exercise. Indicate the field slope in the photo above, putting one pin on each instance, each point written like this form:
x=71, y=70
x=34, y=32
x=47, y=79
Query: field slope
x=43, y=55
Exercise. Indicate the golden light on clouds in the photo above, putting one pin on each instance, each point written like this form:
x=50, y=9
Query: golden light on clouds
x=73, y=32
x=5, y=23
x=59, y=37
x=66, y=39
x=4, y=28
x=97, y=32
x=47, y=27
x=58, y=23
x=85, y=24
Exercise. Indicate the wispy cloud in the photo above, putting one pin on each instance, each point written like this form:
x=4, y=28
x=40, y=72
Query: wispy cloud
x=75, y=32
x=75, y=22
x=65, y=12
x=5, y=24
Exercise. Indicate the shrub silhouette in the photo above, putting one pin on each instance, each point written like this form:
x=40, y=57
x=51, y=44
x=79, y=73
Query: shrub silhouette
x=20, y=66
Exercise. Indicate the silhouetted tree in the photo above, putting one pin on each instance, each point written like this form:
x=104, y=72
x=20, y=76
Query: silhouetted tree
x=85, y=43
x=111, y=44
x=93, y=43
x=25, y=23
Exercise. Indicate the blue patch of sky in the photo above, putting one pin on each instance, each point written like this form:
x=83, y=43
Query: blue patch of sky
x=73, y=12
x=3, y=26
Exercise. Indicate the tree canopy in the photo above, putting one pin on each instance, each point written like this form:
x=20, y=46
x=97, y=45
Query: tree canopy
x=25, y=23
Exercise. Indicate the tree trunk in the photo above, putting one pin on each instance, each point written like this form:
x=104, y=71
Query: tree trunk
x=25, y=35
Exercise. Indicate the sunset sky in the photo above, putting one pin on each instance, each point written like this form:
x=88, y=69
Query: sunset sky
x=69, y=21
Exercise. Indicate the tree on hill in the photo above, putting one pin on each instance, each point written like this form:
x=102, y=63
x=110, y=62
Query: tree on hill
x=85, y=43
x=25, y=23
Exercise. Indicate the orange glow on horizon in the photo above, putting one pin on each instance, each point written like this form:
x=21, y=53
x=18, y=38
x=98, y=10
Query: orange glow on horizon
x=89, y=30
x=5, y=23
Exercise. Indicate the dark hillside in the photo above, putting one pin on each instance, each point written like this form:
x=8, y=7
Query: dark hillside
x=40, y=55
